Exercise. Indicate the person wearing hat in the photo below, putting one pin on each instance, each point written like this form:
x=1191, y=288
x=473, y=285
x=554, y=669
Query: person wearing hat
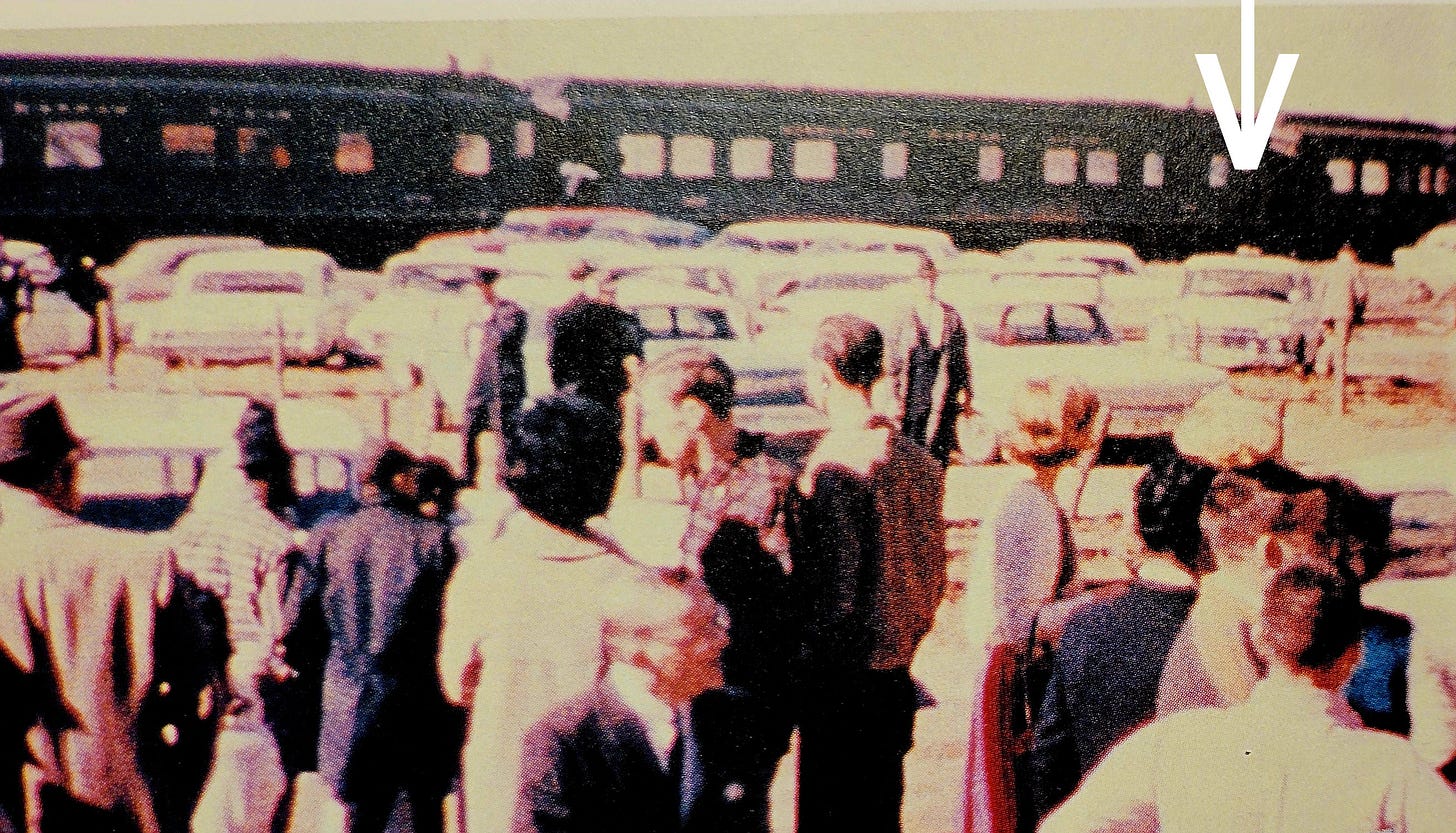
x=67, y=585
x=594, y=345
x=498, y=383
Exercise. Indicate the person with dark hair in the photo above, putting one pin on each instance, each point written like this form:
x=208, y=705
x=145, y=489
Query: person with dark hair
x=520, y=632
x=1254, y=521
x=498, y=383
x=653, y=746
x=735, y=536
x=594, y=345
x=1294, y=756
x=389, y=739
x=868, y=538
x=76, y=624
x=932, y=369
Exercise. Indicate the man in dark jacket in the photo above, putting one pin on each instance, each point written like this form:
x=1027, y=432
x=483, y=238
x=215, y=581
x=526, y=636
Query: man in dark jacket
x=498, y=386
x=389, y=741
x=593, y=343
x=653, y=746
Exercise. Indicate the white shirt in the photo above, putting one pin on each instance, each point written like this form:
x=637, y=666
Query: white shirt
x=1430, y=604
x=1292, y=759
x=632, y=684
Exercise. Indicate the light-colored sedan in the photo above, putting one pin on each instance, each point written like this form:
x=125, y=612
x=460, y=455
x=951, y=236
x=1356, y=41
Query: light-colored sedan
x=230, y=307
x=147, y=272
x=1243, y=310
x=1430, y=260
x=803, y=290
x=1057, y=329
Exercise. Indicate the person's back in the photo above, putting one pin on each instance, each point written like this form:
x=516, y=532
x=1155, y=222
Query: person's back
x=1292, y=757
x=589, y=341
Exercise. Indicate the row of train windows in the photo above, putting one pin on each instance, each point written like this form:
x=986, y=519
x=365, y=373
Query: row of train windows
x=1375, y=177
x=77, y=144
x=647, y=155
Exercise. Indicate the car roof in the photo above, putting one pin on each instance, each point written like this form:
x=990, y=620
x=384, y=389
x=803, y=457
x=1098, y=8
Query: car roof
x=1053, y=249
x=1243, y=262
x=647, y=291
x=838, y=230
x=544, y=214
x=1013, y=291
x=184, y=241
x=442, y=255
x=281, y=259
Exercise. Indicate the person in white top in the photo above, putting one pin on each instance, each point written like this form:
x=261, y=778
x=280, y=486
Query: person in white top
x=1293, y=757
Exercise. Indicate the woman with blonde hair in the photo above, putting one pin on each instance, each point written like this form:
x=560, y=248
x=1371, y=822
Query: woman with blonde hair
x=1032, y=556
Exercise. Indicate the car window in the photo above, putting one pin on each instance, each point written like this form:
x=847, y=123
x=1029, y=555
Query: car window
x=702, y=323
x=1074, y=324
x=657, y=321
x=1028, y=323
x=1241, y=282
x=249, y=281
x=432, y=276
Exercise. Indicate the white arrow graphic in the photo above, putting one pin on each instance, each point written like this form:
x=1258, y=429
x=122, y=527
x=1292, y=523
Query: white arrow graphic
x=1245, y=134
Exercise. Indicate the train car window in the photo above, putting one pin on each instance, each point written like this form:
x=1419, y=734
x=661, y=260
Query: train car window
x=1342, y=175
x=472, y=154
x=1101, y=167
x=196, y=143
x=1153, y=170
x=258, y=149
x=1423, y=180
x=1059, y=166
x=73, y=144
x=815, y=160
x=750, y=158
x=1218, y=171
x=990, y=163
x=692, y=157
x=894, y=160
x=525, y=139
x=1374, y=177
x=642, y=154
x=354, y=154
x=1443, y=179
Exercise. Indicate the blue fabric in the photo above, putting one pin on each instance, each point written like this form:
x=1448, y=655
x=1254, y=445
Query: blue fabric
x=1377, y=688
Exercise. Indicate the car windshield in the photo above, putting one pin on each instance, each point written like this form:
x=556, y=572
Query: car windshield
x=684, y=323
x=1049, y=324
x=249, y=281
x=563, y=230
x=438, y=276
x=1242, y=283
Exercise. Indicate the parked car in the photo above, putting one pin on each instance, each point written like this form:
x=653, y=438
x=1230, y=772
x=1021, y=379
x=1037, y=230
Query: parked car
x=1431, y=259
x=769, y=365
x=1134, y=291
x=147, y=271
x=1244, y=310
x=828, y=236
x=802, y=291
x=228, y=306
x=1057, y=329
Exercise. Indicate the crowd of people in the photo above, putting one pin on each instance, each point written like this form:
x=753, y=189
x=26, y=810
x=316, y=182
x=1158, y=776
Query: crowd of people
x=478, y=650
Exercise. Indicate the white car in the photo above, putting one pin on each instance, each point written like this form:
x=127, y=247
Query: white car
x=769, y=365
x=830, y=236
x=804, y=290
x=1242, y=311
x=1430, y=260
x=229, y=306
x=1057, y=329
x=147, y=272
x=1133, y=290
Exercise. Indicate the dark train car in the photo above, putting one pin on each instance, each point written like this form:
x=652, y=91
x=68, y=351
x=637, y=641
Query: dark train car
x=992, y=172
x=99, y=153
x=1376, y=185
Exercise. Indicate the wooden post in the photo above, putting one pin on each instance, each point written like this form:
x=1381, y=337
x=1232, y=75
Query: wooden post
x=106, y=338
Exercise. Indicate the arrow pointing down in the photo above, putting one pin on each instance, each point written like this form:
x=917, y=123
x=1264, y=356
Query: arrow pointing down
x=1245, y=133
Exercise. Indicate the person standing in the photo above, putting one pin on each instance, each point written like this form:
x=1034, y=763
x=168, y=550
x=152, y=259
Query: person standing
x=932, y=370
x=594, y=345
x=521, y=628
x=868, y=540
x=14, y=300
x=653, y=746
x=498, y=383
x=389, y=739
x=735, y=536
x=1294, y=756
x=76, y=621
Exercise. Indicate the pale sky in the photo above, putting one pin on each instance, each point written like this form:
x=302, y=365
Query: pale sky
x=1383, y=60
